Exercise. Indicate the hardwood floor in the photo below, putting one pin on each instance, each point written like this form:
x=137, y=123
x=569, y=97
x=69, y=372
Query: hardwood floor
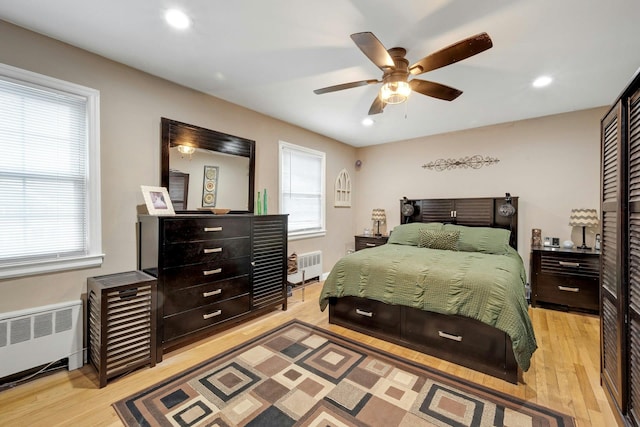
x=564, y=374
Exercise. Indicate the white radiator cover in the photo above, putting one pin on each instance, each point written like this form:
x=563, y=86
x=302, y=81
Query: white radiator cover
x=37, y=336
x=311, y=264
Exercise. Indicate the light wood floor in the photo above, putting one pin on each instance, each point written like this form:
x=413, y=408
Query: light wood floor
x=564, y=373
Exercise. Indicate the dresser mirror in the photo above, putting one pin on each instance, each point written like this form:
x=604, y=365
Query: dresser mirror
x=204, y=169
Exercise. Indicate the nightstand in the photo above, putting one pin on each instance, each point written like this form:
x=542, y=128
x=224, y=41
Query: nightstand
x=364, y=242
x=565, y=278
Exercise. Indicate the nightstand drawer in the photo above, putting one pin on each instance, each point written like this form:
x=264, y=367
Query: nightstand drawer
x=569, y=291
x=569, y=265
x=364, y=242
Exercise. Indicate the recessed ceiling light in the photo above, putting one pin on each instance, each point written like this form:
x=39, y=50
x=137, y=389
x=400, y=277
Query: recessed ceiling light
x=542, y=81
x=177, y=19
x=367, y=121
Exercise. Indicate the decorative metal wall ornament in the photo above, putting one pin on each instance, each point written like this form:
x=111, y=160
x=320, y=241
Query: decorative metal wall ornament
x=473, y=162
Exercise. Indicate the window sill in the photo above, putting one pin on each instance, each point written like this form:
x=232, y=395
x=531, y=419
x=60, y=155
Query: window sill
x=307, y=235
x=53, y=266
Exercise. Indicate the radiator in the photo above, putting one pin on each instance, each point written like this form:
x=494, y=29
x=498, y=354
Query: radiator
x=37, y=336
x=311, y=264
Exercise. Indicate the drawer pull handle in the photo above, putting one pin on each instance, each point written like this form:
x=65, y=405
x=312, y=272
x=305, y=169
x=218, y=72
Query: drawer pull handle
x=364, y=313
x=212, y=250
x=209, y=272
x=212, y=293
x=449, y=336
x=569, y=264
x=210, y=315
x=370, y=244
x=213, y=229
x=567, y=289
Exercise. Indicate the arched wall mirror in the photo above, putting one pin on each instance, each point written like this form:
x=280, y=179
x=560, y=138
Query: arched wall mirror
x=203, y=168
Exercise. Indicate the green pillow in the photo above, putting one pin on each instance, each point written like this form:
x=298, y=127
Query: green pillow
x=409, y=234
x=481, y=239
x=446, y=240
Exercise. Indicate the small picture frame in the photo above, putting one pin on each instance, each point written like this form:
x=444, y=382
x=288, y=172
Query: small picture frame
x=157, y=200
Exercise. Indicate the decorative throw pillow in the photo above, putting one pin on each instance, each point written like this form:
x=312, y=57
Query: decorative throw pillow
x=446, y=240
x=409, y=234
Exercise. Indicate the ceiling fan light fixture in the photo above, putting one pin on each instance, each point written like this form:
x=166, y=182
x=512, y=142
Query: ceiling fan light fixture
x=395, y=92
x=186, y=149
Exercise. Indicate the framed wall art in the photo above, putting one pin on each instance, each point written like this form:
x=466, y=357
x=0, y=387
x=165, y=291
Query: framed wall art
x=157, y=200
x=210, y=187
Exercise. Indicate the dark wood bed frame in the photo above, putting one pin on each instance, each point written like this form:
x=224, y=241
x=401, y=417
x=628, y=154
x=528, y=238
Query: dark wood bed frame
x=461, y=340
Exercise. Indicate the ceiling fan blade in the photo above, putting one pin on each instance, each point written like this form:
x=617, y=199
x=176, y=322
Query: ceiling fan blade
x=454, y=53
x=377, y=106
x=435, y=90
x=344, y=86
x=374, y=49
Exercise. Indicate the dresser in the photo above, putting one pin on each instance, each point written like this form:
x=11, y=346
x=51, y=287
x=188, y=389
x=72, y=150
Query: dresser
x=567, y=278
x=212, y=271
x=364, y=242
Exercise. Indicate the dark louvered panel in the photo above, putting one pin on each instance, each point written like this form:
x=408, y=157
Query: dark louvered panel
x=634, y=262
x=610, y=344
x=269, y=256
x=634, y=367
x=608, y=252
x=437, y=210
x=634, y=152
x=610, y=166
x=477, y=212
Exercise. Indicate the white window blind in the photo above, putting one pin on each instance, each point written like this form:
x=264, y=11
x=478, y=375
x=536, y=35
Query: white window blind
x=47, y=201
x=302, y=194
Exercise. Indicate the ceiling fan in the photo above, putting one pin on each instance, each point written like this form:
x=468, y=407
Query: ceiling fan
x=396, y=86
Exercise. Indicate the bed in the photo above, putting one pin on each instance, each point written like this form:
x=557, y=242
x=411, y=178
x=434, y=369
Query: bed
x=453, y=291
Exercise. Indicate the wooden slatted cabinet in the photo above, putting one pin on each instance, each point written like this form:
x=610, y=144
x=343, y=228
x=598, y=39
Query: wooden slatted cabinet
x=121, y=323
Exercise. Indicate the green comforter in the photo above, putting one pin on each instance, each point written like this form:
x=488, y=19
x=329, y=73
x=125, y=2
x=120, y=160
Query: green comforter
x=486, y=287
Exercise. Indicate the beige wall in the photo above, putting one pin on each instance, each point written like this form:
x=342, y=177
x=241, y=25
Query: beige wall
x=132, y=104
x=551, y=163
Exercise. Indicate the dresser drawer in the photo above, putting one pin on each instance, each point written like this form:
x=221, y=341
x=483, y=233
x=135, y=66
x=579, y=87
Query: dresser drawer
x=196, y=274
x=185, y=299
x=194, y=229
x=204, y=317
x=177, y=254
x=567, y=264
x=570, y=291
x=445, y=335
x=368, y=314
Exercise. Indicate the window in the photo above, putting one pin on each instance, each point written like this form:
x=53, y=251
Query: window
x=49, y=174
x=302, y=190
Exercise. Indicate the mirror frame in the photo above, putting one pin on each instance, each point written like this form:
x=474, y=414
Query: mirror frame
x=177, y=133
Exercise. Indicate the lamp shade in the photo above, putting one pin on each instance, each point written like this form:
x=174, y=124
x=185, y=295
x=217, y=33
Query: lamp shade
x=379, y=215
x=583, y=218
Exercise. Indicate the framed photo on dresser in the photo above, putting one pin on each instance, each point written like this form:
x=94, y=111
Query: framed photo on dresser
x=157, y=200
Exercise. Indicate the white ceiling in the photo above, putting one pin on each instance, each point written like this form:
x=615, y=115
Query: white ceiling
x=269, y=55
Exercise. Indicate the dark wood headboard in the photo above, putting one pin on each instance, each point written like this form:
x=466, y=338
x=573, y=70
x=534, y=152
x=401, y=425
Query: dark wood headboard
x=473, y=212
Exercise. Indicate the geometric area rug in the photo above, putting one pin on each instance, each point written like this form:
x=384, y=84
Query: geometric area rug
x=299, y=374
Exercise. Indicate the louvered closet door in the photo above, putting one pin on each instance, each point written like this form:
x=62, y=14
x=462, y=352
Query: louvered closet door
x=633, y=402
x=612, y=321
